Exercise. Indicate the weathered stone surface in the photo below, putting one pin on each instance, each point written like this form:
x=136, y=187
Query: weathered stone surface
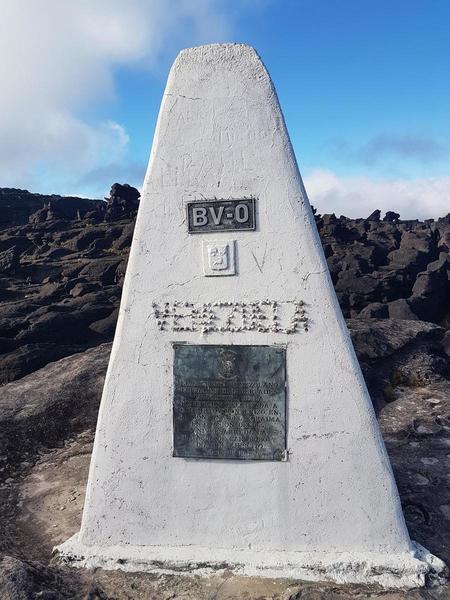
x=102, y=270
x=61, y=271
x=122, y=200
x=16, y=581
x=446, y=343
x=416, y=428
x=391, y=216
x=400, y=309
x=380, y=338
x=49, y=404
x=375, y=310
x=20, y=361
x=16, y=206
x=398, y=352
x=106, y=326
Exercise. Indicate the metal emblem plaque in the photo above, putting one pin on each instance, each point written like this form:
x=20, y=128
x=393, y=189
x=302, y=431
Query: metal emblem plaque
x=218, y=258
x=221, y=215
x=229, y=402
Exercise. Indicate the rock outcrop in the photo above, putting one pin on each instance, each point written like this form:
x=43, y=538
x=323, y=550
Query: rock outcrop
x=61, y=271
x=389, y=268
x=51, y=404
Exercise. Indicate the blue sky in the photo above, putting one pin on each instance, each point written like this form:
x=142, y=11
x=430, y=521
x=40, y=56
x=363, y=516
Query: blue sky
x=364, y=86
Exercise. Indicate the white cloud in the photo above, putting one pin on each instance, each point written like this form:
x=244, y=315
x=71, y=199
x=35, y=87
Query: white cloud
x=391, y=149
x=59, y=57
x=359, y=196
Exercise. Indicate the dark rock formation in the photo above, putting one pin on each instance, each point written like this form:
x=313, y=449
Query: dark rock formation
x=61, y=271
x=391, y=216
x=16, y=580
x=123, y=201
x=17, y=207
x=52, y=403
x=395, y=353
x=375, y=216
x=401, y=265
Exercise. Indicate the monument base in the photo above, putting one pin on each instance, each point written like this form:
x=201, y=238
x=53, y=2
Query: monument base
x=407, y=570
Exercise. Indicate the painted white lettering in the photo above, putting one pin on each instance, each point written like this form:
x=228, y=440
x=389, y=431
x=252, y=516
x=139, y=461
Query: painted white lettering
x=216, y=216
x=199, y=216
x=241, y=213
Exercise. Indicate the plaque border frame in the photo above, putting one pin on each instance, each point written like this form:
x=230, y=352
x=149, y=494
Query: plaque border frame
x=253, y=200
x=284, y=455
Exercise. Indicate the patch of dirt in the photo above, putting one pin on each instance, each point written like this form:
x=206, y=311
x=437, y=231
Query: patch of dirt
x=51, y=497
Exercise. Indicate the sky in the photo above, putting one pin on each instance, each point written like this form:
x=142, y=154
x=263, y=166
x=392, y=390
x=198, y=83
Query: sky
x=364, y=86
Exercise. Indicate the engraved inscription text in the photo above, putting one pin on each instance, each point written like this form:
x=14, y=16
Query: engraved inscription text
x=229, y=402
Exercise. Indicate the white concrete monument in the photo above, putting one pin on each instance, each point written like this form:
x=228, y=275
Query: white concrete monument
x=235, y=428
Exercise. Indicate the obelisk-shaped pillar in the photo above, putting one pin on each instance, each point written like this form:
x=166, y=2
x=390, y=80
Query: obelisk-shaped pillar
x=235, y=427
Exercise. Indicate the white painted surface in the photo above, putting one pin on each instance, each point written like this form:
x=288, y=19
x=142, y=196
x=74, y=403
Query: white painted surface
x=221, y=134
x=393, y=571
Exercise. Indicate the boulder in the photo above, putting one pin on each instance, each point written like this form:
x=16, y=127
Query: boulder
x=123, y=201
x=102, y=270
x=124, y=240
x=381, y=338
x=446, y=343
x=82, y=240
x=49, y=289
x=120, y=272
x=61, y=327
x=9, y=260
x=104, y=296
x=374, y=310
x=82, y=288
x=375, y=216
x=395, y=353
x=412, y=260
x=57, y=253
x=400, y=309
x=10, y=239
x=48, y=405
x=107, y=326
x=391, y=216
x=19, y=361
x=431, y=292
x=423, y=239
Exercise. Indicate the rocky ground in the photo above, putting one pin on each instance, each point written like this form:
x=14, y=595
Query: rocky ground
x=61, y=269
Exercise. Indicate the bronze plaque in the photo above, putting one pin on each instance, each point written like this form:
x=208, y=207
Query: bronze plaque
x=229, y=402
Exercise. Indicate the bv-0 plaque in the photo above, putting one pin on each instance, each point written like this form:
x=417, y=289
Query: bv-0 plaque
x=221, y=215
